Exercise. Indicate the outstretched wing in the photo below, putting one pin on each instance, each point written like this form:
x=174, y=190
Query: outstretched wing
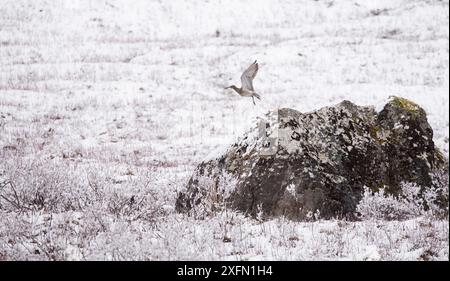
x=248, y=75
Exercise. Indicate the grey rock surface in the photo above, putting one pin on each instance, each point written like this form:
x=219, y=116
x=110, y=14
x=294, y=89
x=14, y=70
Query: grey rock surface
x=291, y=163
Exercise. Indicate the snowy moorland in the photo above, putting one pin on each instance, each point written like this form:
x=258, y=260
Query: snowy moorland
x=106, y=108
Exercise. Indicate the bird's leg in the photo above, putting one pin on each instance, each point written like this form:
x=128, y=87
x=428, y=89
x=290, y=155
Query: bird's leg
x=253, y=100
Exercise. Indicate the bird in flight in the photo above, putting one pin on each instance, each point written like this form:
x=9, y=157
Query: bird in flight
x=247, y=83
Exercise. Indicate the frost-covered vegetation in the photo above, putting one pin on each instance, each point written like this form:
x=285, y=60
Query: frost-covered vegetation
x=413, y=201
x=106, y=107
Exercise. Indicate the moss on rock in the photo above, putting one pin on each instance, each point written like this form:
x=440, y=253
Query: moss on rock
x=407, y=105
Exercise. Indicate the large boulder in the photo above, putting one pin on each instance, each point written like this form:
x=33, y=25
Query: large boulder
x=294, y=163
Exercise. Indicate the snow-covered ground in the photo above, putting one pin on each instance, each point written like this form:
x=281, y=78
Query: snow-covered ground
x=106, y=107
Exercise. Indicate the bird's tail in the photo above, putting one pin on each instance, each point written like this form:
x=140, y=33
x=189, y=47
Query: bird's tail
x=257, y=96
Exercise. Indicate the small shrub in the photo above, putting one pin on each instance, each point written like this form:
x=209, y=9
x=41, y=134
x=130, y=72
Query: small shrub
x=413, y=201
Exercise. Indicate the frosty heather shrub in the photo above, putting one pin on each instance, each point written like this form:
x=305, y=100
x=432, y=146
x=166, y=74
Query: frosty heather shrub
x=412, y=202
x=40, y=185
x=438, y=195
x=36, y=185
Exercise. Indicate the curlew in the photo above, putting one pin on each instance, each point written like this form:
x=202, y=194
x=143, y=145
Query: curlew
x=247, y=83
